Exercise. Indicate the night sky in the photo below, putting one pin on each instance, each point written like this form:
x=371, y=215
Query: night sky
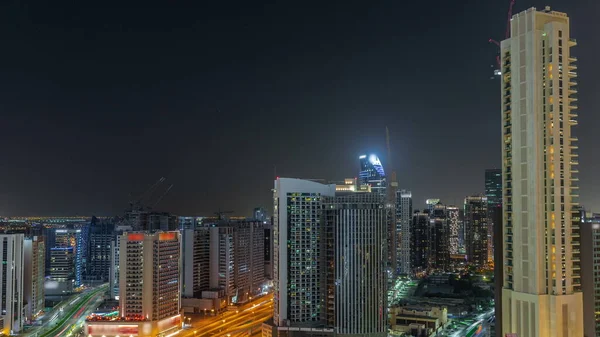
x=99, y=99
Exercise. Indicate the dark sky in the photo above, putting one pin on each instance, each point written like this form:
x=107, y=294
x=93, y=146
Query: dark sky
x=99, y=99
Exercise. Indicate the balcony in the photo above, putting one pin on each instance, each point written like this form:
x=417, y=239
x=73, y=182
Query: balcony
x=572, y=59
x=572, y=42
x=573, y=106
x=572, y=74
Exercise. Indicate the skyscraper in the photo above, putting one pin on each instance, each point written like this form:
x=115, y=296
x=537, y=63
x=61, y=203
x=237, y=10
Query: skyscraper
x=299, y=255
x=356, y=228
x=493, y=192
x=590, y=278
x=419, y=241
x=493, y=186
x=476, y=230
x=454, y=228
x=403, y=224
x=439, y=239
x=372, y=174
x=34, y=272
x=101, y=233
x=150, y=276
x=11, y=282
x=542, y=287
x=66, y=262
x=195, y=261
x=330, y=257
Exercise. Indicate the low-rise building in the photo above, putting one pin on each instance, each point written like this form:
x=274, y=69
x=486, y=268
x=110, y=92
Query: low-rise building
x=409, y=318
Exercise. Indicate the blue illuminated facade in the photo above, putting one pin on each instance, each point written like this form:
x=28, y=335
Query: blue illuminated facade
x=372, y=173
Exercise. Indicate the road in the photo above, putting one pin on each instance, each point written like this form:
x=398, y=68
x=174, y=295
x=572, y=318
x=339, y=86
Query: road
x=480, y=319
x=248, y=317
x=61, y=318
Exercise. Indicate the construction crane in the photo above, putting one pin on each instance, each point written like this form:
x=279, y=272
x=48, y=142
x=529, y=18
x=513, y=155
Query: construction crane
x=162, y=196
x=498, y=72
x=138, y=203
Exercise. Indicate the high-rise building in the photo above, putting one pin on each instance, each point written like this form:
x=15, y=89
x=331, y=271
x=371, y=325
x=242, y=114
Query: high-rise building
x=299, y=255
x=101, y=235
x=260, y=214
x=66, y=261
x=115, y=248
x=225, y=255
x=493, y=192
x=439, y=238
x=356, y=227
x=403, y=225
x=34, y=273
x=476, y=230
x=372, y=174
x=431, y=204
x=150, y=277
x=454, y=228
x=493, y=186
x=11, y=282
x=419, y=241
x=195, y=261
x=542, y=286
x=330, y=261
x=590, y=277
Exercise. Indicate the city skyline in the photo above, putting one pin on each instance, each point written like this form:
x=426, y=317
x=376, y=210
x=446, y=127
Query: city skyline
x=85, y=115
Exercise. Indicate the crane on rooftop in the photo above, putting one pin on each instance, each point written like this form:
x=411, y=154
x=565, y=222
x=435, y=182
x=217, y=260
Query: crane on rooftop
x=498, y=72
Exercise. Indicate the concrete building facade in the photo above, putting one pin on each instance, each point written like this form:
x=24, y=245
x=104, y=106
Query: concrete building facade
x=542, y=282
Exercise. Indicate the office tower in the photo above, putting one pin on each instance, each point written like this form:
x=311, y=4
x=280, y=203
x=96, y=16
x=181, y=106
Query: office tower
x=268, y=246
x=150, y=278
x=419, y=244
x=542, y=286
x=115, y=247
x=299, y=253
x=260, y=214
x=439, y=238
x=493, y=192
x=66, y=262
x=403, y=222
x=493, y=186
x=195, y=261
x=454, y=228
x=372, y=174
x=12, y=280
x=590, y=278
x=431, y=204
x=356, y=227
x=476, y=230
x=34, y=272
x=101, y=233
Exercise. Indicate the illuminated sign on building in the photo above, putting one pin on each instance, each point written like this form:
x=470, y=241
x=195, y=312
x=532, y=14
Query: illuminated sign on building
x=135, y=237
x=112, y=329
x=166, y=236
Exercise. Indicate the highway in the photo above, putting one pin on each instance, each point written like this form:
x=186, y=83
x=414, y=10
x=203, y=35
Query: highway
x=248, y=317
x=62, y=317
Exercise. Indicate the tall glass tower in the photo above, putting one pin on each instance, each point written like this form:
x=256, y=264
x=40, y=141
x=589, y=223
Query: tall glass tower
x=372, y=173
